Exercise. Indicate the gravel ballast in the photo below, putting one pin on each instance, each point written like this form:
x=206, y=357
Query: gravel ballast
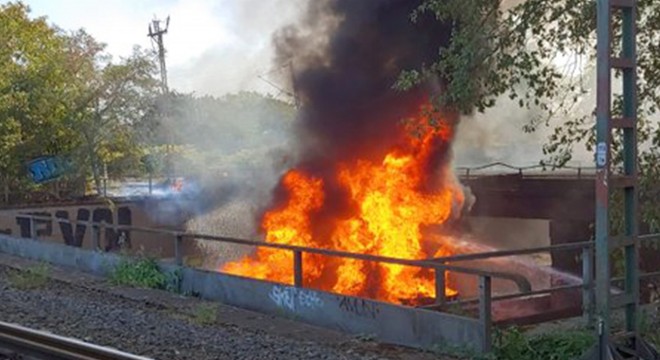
x=162, y=325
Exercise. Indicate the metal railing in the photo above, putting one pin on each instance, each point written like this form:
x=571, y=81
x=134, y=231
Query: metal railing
x=439, y=265
x=43, y=345
x=531, y=171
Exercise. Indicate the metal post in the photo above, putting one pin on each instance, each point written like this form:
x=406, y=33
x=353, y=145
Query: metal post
x=178, y=253
x=626, y=62
x=96, y=236
x=588, y=285
x=630, y=168
x=603, y=140
x=33, y=228
x=440, y=295
x=297, y=269
x=485, y=316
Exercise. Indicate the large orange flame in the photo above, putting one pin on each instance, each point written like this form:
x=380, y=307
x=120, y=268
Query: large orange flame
x=393, y=205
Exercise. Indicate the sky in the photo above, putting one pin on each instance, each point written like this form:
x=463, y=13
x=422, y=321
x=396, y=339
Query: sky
x=214, y=47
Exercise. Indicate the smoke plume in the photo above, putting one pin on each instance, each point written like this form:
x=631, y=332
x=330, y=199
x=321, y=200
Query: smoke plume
x=345, y=57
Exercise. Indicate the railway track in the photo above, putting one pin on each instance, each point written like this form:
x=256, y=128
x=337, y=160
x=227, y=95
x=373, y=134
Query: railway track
x=18, y=342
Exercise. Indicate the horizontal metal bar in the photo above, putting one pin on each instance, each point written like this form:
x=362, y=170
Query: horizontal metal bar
x=104, y=224
x=650, y=237
x=517, y=295
x=505, y=253
x=623, y=123
x=621, y=300
x=622, y=63
x=621, y=241
x=521, y=282
x=641, y=276
x=34, y=342
x=620, y=4
x=623, y=181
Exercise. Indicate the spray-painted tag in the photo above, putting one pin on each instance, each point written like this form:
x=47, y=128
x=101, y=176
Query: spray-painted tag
x=601, y=154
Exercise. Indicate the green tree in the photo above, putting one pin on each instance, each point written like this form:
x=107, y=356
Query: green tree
x=62, y=95
x=497, y=51
x=31, y=80
x=110, y=102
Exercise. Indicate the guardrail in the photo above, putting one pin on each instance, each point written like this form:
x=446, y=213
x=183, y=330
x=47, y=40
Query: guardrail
x=439, y=265
x=542, y=170
x=43, y=345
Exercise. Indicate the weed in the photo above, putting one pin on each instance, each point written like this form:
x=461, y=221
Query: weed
x=142, y=272
x=205, y=314
x=566, y=345
x=173, y=281
x=31, y=278
x=513, y=344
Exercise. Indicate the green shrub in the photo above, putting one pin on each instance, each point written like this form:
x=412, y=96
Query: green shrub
x=141, y=272
x=565, y=345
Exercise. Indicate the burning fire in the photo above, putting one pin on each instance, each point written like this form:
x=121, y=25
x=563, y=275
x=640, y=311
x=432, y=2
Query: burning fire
x=393, y=199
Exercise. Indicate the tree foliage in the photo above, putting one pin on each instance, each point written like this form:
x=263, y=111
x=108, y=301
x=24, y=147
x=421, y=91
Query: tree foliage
x=62, y=95
x=522, y=50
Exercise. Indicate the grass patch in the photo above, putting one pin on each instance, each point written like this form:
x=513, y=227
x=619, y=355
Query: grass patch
x=564, y=345
x=205, y=314
x=142, y=272
x=513, y=344
x=30, y=278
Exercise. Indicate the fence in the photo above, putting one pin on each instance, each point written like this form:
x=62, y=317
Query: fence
x=531, y=171
x=439, y=265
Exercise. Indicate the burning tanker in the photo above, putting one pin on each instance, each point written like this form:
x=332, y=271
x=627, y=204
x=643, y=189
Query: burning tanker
x=374, y=171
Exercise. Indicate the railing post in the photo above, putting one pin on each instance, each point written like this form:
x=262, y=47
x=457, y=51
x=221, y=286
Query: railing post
x=96, y=236
x=440, y=295
x=297, y=269
x=33, y=228
x=178, y=254
x=485, y=316
x=588, y=299
x=467, y=174
x=102, y=235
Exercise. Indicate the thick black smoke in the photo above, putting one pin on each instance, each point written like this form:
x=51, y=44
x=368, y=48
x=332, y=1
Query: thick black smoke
x=345, y=57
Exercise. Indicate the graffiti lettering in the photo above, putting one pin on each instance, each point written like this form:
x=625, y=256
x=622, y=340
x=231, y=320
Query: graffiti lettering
x=290, y=298
x=283, y=297
x=48, y=168
x=42, y=227
x=71, y=238
x=113, y=239
x=309, y=299
x=359, y=307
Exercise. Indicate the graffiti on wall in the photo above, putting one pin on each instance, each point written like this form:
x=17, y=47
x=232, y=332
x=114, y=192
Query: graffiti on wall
x=358, y=307
x=47, y=168
x=75, y=235
x=291, y=298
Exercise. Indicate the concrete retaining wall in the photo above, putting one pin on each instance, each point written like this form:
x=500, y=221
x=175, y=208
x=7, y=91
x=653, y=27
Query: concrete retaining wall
x=146, y=213
x=386, y=322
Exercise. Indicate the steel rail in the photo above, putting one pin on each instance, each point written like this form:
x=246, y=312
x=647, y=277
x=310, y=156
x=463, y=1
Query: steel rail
x=439, y=263
x=521, y=282
x=40, y=344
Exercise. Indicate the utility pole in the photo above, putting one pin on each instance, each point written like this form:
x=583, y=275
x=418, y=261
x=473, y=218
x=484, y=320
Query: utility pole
x=156, y=33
